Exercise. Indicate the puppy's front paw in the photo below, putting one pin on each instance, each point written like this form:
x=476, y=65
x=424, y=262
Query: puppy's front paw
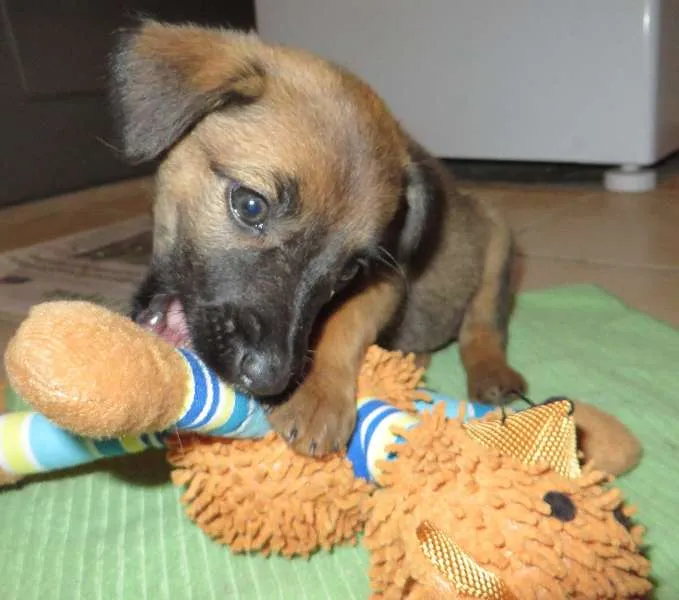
x=493, y=381
x=319, y=417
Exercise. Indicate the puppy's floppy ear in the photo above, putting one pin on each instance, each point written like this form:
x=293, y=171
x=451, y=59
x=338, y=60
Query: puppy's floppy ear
x=425, y=190
x=165, y=78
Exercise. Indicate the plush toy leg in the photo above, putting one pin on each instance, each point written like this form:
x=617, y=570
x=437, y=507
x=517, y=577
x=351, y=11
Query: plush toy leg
x=375, y=423
x=215, y=408
x=31, y=444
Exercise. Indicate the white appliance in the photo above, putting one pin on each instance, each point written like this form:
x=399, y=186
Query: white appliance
x=583, y=81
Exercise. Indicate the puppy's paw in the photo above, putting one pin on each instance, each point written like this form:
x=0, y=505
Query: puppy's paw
x=319, y=417
x=493, y=381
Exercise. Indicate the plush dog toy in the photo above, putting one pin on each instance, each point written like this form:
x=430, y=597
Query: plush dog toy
x=462, y=507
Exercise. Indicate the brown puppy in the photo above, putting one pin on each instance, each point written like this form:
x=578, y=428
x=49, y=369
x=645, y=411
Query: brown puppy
x=296, y=223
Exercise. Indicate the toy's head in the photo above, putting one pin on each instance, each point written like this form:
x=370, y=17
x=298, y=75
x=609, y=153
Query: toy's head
x=503, y=513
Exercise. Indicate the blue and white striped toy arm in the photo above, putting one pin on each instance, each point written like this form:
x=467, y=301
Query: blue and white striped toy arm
x=214, y=408
x=373, y=433
x=473, y=410
x=376, y=420
x=30, y=444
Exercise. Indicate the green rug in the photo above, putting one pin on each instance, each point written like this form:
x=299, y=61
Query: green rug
x=117, y=531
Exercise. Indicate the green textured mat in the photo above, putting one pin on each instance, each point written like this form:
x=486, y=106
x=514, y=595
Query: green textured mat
x=117, y=530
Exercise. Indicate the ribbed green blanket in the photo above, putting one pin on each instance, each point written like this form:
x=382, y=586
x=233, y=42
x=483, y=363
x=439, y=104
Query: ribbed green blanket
x=117, y=530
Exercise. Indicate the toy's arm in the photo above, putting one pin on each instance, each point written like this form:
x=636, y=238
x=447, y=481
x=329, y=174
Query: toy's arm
x=99, y=375
x=96, y=375
x=30, y=443
x=102, y=386
x=377, y=421
x=94, y=372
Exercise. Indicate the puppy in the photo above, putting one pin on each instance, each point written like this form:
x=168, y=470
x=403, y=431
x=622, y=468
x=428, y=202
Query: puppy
x=296, y=223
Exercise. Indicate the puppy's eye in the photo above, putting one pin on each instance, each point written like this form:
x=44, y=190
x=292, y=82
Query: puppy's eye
x=249, y=207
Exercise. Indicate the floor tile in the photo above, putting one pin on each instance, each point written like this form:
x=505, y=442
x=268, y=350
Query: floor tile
x=528, y=207
x=616, y=229
x=653, y=291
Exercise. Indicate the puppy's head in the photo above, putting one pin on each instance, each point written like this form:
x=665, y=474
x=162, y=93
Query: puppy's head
x=280, y=174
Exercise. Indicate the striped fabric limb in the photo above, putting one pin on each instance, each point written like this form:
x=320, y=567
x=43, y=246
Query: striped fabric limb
x=29, y=444
x=374, y=429
x=214, y=408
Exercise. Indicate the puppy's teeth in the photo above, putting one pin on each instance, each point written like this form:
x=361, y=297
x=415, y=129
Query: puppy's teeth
x=154, y=320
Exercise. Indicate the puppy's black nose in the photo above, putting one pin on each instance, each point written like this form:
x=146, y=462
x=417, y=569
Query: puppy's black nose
x=261, y=373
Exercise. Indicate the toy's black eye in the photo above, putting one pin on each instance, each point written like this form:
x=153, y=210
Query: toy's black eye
x=622, y=518
x=562, y=506
x=248, y=206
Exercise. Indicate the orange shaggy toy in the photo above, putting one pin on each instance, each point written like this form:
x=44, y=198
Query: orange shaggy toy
x=489, y=509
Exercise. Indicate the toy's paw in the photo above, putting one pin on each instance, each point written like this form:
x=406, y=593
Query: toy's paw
x=320, y=415
x=493, y=381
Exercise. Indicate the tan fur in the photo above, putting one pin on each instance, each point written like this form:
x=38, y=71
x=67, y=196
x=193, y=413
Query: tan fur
x=196, y=54
x=242, y=148
x=344, y=340
x=482, y=343
x=314, y=122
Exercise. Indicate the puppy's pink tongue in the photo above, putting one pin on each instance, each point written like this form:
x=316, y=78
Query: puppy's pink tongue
x=168, y=321
x=176, y=330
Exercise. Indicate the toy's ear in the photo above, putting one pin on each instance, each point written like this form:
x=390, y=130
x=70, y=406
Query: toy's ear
x=544, y=433
x=462, y=577
x=165, y=78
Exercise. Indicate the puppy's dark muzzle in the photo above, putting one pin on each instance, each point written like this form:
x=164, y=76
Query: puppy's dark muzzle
x=253, y=324
x=244, y=349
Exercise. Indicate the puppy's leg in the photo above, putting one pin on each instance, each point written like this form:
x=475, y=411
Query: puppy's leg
x=483, y=336
x=320, y=415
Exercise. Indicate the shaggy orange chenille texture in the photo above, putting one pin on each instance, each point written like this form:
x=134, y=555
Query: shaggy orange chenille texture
x=457, y=519
x=462, y=512
x=489, y=509
x=260, y=495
